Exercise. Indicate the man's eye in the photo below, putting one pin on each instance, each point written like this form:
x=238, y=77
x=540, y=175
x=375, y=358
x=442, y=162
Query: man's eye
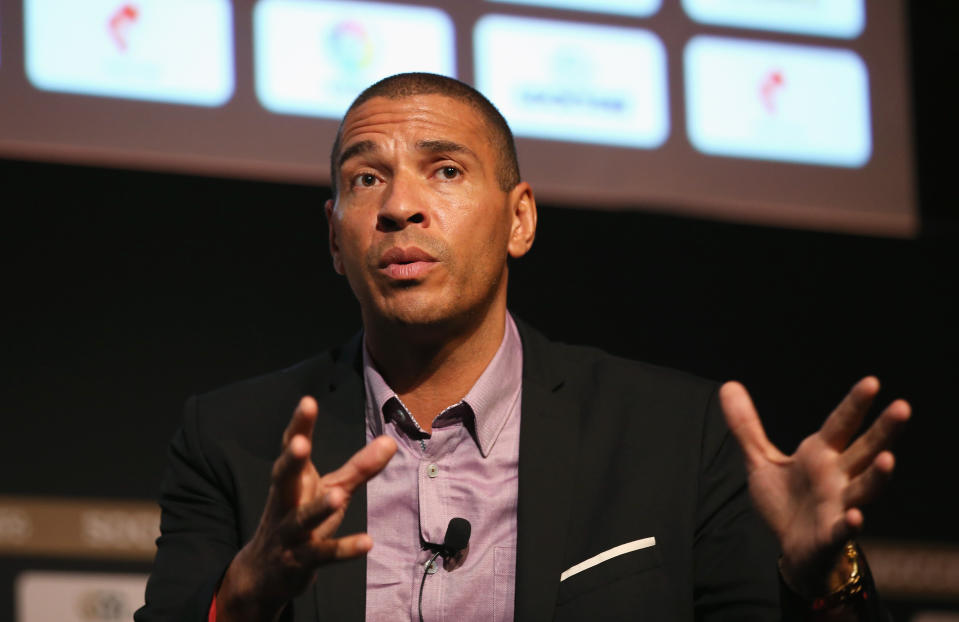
x=449, y=172
x=365, y=179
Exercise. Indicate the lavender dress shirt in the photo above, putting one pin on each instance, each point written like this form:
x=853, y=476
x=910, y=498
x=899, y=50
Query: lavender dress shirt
x=466, y=468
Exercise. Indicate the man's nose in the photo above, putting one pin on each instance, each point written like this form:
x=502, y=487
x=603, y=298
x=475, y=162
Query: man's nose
x=403, y=205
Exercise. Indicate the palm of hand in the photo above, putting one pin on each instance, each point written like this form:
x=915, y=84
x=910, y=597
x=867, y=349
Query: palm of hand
x=810, y=499
x=800, y=496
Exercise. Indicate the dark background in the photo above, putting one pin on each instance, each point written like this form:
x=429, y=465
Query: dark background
x=124, y=292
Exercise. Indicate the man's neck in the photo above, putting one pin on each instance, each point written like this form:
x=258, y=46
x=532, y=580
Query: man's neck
x=431, y=370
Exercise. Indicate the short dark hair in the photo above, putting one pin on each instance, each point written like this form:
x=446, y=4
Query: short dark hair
x=410, y=84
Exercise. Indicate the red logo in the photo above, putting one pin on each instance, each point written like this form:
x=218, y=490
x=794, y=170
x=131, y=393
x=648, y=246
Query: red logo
x=771, y=84
x=120, y=24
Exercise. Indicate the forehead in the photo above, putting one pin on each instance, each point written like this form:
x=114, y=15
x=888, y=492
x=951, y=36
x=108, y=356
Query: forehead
x=414, y=118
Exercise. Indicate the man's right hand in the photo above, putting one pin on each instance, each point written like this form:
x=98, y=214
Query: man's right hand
x=297, y=531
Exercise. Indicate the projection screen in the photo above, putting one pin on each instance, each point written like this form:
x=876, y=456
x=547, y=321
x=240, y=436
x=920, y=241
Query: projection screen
x=782, y=112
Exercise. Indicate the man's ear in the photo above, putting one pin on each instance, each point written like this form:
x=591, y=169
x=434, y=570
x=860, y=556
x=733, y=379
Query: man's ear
x=334, y=248
x=523, y=227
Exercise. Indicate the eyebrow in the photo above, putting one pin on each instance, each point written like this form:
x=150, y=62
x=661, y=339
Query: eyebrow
x=448, y=146
x=431, y=146
x=364, y=146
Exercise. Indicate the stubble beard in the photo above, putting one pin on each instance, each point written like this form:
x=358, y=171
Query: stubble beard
x=429, y=319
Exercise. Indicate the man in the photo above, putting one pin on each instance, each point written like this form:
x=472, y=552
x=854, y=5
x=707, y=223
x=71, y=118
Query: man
x=595, y=487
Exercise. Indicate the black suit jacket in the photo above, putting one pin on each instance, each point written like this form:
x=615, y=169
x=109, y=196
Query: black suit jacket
x=611, y=451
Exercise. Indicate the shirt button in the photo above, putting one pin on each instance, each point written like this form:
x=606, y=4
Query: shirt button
x=432, y=470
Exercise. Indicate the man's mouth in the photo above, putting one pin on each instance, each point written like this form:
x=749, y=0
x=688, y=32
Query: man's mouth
x=406, y=263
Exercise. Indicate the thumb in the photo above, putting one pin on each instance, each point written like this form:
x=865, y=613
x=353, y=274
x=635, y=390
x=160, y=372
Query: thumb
x=743, y=422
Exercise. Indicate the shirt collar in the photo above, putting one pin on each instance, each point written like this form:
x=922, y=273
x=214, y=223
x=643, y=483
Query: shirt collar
x=491, y=400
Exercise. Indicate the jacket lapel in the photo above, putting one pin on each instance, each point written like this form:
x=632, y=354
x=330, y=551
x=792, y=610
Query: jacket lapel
x=340, y=588
x=549, y=433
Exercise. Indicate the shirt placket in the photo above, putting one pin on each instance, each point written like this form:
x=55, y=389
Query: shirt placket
x=433, y=474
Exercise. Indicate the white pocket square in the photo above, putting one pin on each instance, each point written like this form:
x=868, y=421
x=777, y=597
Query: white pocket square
x=606, y=555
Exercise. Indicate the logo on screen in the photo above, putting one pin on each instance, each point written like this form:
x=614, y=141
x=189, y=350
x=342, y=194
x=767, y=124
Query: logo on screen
x=351, y=46
x=772, y=84
x=571, y=87
x=122, y=20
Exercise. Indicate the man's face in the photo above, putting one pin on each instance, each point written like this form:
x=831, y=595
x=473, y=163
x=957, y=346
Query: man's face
x=420, y=225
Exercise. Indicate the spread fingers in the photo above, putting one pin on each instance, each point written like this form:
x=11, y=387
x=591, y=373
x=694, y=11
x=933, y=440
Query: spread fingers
x=363, y=465
x=866, y=486
x=877, y=438
x=845, y=420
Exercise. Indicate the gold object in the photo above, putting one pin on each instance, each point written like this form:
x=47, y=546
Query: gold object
x=850, y=589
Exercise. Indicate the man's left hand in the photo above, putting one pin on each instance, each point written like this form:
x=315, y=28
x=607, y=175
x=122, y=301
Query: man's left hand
x=812, y=499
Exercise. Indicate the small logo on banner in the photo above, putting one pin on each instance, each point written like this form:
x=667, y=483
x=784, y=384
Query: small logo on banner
x=120, y=23
x=771, y=85
x=351, y=46
x=43, y=596
x=103, y=605
x=15, y=525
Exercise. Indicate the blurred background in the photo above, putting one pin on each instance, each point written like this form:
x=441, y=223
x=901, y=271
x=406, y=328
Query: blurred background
x=741, y=189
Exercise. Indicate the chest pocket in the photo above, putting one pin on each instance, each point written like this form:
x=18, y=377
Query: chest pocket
x=504, y=575
x=638, y=570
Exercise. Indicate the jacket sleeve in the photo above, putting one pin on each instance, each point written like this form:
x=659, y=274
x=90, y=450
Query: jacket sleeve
x=734, y=556
x=198, y=532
